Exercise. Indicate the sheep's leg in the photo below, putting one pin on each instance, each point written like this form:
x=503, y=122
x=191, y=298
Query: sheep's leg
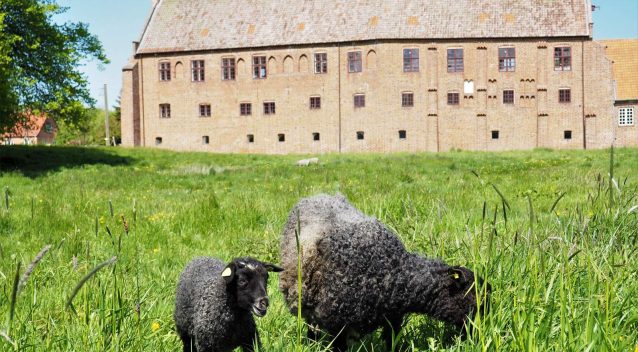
x=340, y=343
x=391, y=330
x=249, y=346
x=189, y=344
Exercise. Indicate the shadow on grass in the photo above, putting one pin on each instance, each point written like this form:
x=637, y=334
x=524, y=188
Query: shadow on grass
x=35, y=161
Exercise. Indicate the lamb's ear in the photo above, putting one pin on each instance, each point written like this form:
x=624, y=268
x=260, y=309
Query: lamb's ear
x=273, y=268
x=229, y=272
x=458, y=276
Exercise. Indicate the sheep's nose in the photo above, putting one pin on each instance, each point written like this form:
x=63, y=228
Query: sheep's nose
x=263, y=303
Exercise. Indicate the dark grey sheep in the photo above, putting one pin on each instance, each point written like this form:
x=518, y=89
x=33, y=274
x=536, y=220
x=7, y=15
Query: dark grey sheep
x=215, y=302
x=358, y=276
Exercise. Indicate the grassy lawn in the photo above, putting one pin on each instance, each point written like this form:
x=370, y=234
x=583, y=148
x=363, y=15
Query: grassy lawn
x=554, y=237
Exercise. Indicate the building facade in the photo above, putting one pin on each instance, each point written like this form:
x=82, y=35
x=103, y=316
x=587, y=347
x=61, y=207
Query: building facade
x=369, y=76
x=623, y=54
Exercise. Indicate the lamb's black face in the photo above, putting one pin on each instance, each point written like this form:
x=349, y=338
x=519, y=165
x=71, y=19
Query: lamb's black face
x=248, y=278
x=461, y=304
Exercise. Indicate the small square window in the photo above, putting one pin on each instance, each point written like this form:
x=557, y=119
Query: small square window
x=567, y=134
x=360, y=135
x=495, y=134
x=165, y=111
x=407, y=100
x=402, y=134
x=315, y=103
x=508, y=97
x=564, y=95
x=205, y=140
x=281, y=137
x=250, y=138
x=453, y=98
x=269, y=108
x=158, y=140
x=204, y=110
x=359, y=101
x=316, y=136
x=245, y=109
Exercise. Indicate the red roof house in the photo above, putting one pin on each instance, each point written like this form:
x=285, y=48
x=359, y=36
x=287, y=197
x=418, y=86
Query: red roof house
x=36, y=130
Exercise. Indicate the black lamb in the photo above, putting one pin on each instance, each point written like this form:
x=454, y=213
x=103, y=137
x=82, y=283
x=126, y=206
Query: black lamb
x=215, y=302
x=358, y=276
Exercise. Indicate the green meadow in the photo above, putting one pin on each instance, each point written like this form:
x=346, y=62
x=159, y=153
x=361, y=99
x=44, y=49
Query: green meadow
x=555, y=233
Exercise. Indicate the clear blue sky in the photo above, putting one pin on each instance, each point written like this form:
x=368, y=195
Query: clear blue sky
x=118, y=22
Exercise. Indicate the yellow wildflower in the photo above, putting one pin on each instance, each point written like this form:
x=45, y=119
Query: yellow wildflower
x=156, y=250
x=155, y=326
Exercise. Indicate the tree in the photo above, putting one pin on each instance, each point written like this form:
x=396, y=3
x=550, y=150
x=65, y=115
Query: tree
x=39, y=62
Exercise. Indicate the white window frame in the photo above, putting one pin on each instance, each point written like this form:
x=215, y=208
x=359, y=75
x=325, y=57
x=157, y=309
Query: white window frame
x=321, y=65
x=626, y=116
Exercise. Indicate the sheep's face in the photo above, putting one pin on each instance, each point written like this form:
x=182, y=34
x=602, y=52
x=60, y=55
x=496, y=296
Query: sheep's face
x=461, y=301
x=247, y=280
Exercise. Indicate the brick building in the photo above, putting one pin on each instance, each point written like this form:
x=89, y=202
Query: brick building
x=294, y=76
x=623, y=54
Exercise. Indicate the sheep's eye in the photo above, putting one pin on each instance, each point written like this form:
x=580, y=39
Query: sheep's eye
x=242, y=282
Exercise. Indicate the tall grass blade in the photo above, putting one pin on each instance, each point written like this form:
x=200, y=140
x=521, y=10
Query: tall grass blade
x=6, y=198
x=556, y=202
x=14, y=296
x=32, y=208
x=111, y=207
x=134, y=210
x=611, y=176
x=69, y=302
x=8, y=339
x=31, y=267
x=531, y=212
x=502, y=196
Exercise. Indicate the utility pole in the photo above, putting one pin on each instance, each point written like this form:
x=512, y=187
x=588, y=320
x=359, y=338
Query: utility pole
x=107, y=137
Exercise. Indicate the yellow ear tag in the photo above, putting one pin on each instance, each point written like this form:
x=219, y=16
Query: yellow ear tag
x=456, y=276
x=227, y=272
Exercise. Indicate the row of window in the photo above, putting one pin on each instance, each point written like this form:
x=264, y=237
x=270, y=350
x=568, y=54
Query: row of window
x=567, y=134
x=281, y=137
x=360, y=135
x=359, y=101
x=564, y=96
x=455, y=63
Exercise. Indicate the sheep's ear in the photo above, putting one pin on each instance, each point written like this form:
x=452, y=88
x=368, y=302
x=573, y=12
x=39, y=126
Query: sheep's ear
x=458, y=276
x=273, y=268
x=229, y=272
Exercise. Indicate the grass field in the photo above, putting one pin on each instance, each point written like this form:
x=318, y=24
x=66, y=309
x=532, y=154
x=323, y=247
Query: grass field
x=554, y=236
